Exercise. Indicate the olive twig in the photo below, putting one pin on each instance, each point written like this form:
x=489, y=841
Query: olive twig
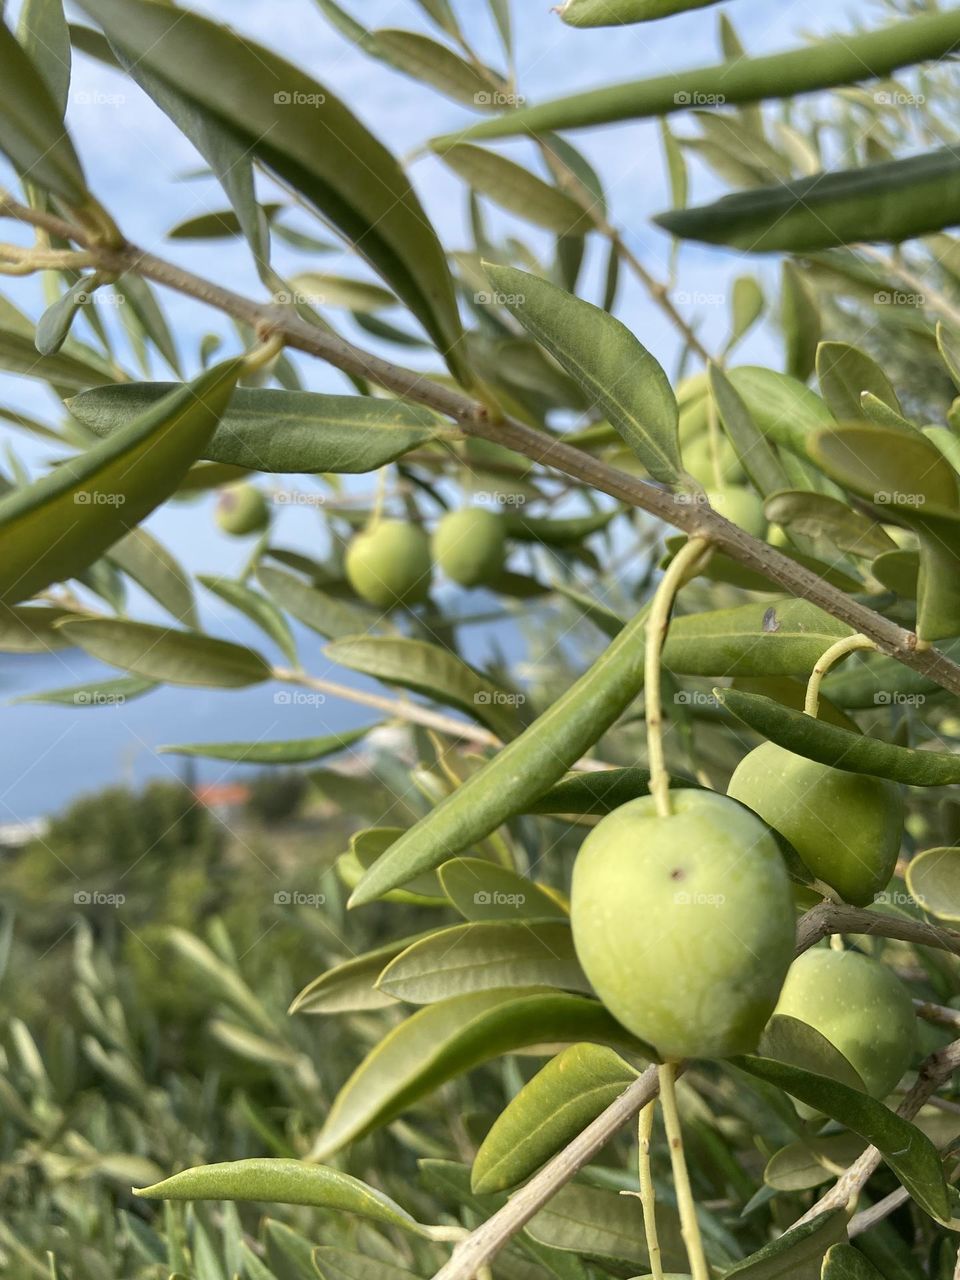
x=689, y=1226
x=658, y=621
x=849, y=644
x=647, y=1194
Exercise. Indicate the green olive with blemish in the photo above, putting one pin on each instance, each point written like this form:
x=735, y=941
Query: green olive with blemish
x=241, y=510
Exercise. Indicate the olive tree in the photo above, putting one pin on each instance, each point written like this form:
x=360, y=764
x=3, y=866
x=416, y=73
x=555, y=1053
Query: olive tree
x=722, y=850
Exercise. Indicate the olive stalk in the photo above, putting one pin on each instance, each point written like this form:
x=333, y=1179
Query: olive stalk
x=476, y=420
x=647, y=1194
x=849, y=644
x=683, y=565
x=689, y=1226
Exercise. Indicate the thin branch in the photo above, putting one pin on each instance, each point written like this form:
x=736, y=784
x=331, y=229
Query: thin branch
x=831, y=917
x=477, y=419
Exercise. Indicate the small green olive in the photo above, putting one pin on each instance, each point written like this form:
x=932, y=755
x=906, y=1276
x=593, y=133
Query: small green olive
x=860, y=1006
x=741, y=506
x=242, y=509
x=470, y=546
x=390, y=564
x=684, y=924
x=846, y=827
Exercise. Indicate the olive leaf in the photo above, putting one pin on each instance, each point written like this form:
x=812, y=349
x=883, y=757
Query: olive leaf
x=597, y=791
x=800, y=321
x=445, y=1039
x=431, y=671
x=891, y=202
x=141, y=557
x=173, y=657
x=259, y=609
x=60, y=524
x=482, y=890
x=351, y=987
x=296, y=751
x=103, y=693
x=845, y=373
x=281, y=431
x=517, y=190
x=829, y=744
x=483, y=956
x=31, y=629
x=605, y=1225
x=782, y=638
x=42, y=31
x=564, y=532
x=786, y=411
x=816, y=515
x=549, y=1111
x=613, y=13
x=332, y=1263
x=278, y=111
x=324, y=613
x=908, y=1152
x=842, y=60
x=797, y=1254
x=844, y=1262
x=34, y=138
x=757, y=456
x=282, y=1182
x=604, y=357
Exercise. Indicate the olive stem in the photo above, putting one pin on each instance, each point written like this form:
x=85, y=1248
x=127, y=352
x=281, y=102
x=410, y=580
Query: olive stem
x=264, y=353
x=689, y=1226
x=680, y=568
x=647, y=1193
x=849, y=644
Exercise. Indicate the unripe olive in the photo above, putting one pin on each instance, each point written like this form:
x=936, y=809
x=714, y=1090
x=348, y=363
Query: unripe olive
x=242, y=509
x=684, y=924
x=846, y=827
x=698, y=460
x=390, y=564
x=860, y=1006
x=470, y=546
x=741, y=506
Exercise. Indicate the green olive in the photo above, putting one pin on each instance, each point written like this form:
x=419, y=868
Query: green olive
x=698, y=461
x=740, y=506
x=684, y=924
x=860, y=1006
x=390, y=564
x=242, y=509
x=846, y=827
x=470, y=546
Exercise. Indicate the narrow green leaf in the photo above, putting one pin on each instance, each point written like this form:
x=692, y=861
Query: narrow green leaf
x=53, y=327
x=615, y=13
x=257, y=608
x=342, y=1264
x=370, y=844
x=283, y=1182
x=844, y=374
x=224, y=224
x=34, y=138
x=174, y=657
x=604, y=357
x=829, y=744
x=444, y=1040
x=789, y=1040
x=782, y=638
x=842, y=60
x=549, y=1111
x=482, y=890
x=890, y=202
x=104, y=693
x=31, y=629
x=933, y=878
x=278, y=112
x=58, y=525
x=815, y=515
x=297, y=751
x=484, y=956
x=606, y=1226
x=141, y=557
x=351, y=987
x=595, y=792
x=323, y=613
x=746, y=307
x=784, y=409
x=800, y=321
x=910, y=1154
x=431, y=671
x=516, y=189
x=844, y=1262
x=43, y=33
x=797, y=1254
x=756, y=454
x=281, y=431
